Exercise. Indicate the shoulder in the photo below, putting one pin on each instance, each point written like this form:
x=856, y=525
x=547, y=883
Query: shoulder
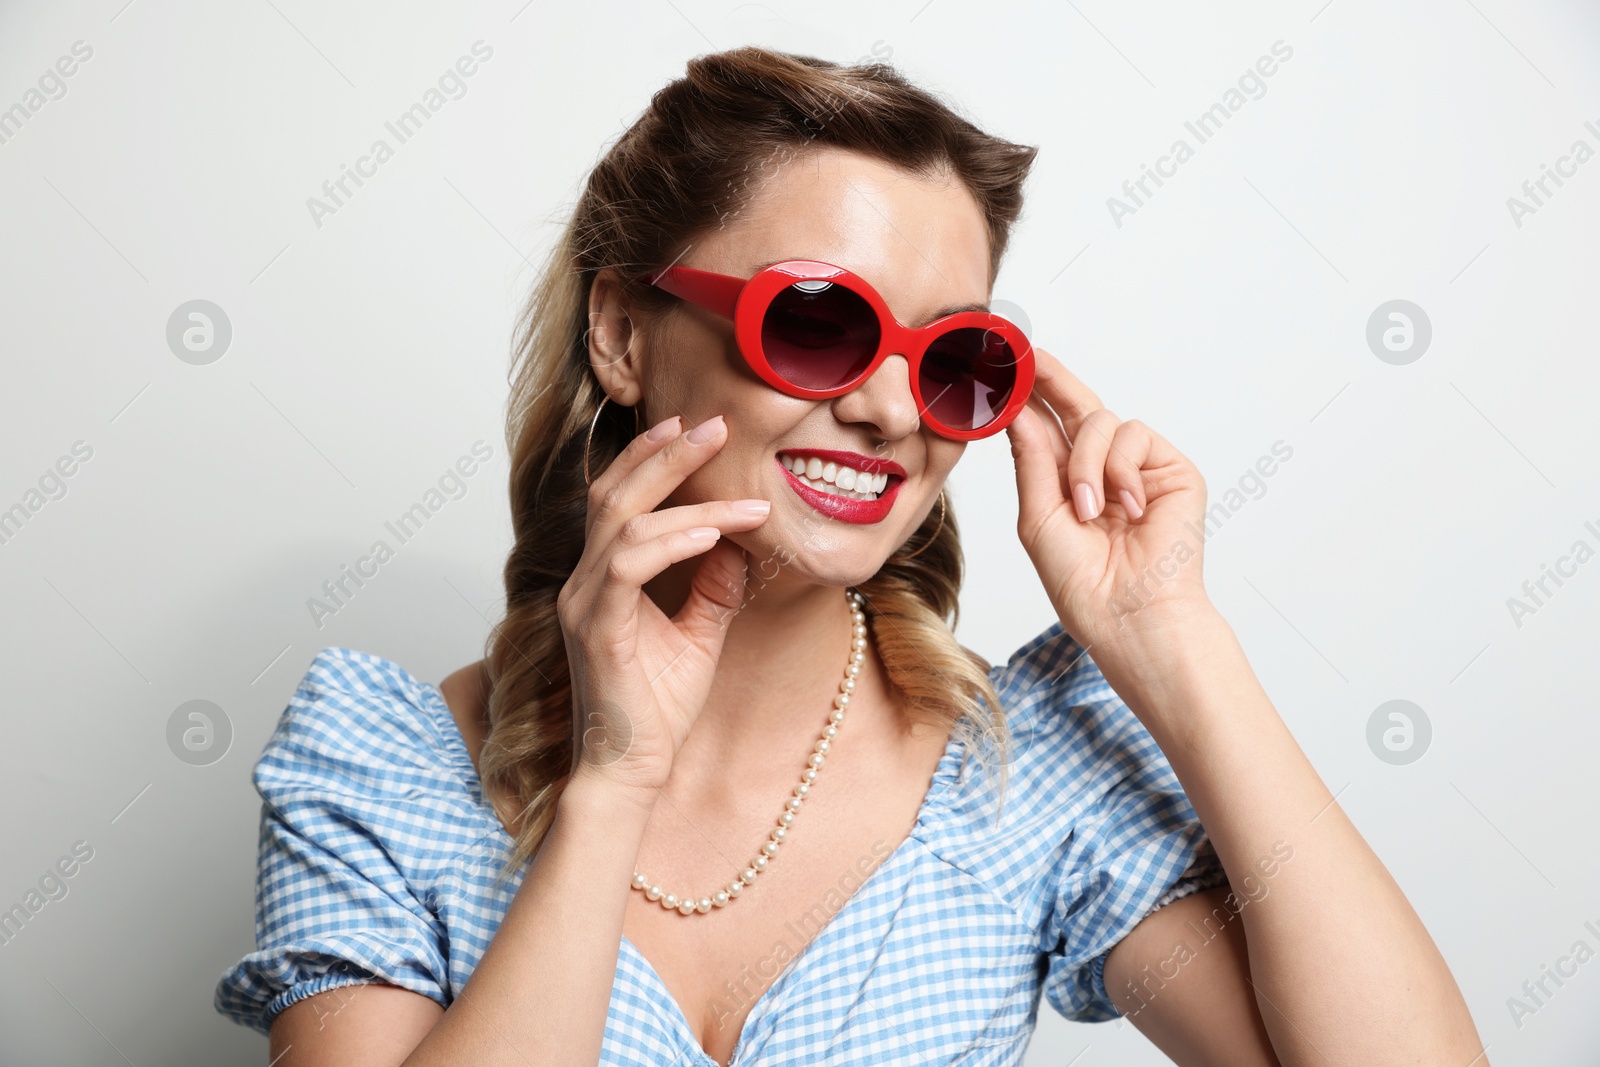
x=361, y=725
x=1057, y=703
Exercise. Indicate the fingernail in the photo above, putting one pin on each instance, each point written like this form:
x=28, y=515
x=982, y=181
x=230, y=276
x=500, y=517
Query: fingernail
x=664, y=428
x=753, y=507
x=700, y=533
x=1132, y=505
x=1083, y=500
x=706, y=430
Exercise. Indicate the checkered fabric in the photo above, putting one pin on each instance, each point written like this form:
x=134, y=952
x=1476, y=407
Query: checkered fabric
x=378, y=857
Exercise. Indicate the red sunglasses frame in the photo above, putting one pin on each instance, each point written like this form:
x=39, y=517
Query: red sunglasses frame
x=745, y=302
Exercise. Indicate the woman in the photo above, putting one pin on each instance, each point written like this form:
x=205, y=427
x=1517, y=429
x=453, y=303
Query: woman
x=658, y=824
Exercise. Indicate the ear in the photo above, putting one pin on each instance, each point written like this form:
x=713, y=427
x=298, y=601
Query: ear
x=614, y=347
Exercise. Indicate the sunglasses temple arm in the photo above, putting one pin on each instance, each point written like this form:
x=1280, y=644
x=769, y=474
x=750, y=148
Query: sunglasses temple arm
x=717, y=293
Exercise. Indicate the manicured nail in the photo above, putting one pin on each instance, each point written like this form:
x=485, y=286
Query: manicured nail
x=664, y=428
x=705, y=431
x=753, y=507
x=1132, y=505
x=700, y=533
x=1083, y=500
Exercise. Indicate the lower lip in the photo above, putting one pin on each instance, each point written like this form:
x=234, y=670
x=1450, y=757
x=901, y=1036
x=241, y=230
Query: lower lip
x=845, y=509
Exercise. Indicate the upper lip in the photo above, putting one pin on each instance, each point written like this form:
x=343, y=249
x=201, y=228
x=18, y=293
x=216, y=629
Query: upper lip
x=853, y=460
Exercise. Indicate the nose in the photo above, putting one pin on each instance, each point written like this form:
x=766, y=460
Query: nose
x=883, y=401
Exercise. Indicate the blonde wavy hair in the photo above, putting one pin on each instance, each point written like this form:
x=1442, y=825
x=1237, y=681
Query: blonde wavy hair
x=681, y=169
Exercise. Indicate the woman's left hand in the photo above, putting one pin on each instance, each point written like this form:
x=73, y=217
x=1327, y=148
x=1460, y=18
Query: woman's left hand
x=1110, y=513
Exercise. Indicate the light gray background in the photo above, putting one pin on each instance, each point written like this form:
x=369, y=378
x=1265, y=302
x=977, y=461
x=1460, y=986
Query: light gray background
x=369, y=353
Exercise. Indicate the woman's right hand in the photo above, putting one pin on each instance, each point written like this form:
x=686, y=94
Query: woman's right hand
x=639, y=679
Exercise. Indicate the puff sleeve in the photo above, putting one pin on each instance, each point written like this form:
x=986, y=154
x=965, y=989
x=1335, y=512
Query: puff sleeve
x=346, y=789
x=1129, y=840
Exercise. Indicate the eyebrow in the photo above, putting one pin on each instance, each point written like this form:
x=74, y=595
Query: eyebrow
x=935, y=317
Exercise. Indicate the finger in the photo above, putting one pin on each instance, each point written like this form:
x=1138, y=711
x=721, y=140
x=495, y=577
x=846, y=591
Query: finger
x=725, y=515
x=641, y=448
x=1131, y=446
x=651, y=479
x=715, y=594
x=1060, y=447
x=621, y=580
x=1086, y=468
x=1038, y=475
x=1068, y=397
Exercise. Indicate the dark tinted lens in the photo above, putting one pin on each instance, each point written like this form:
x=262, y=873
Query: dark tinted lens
x=967, y=377
x=818, y=334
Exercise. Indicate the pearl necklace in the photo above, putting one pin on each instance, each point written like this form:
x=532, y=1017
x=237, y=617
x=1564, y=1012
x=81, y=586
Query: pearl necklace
x=769, y=849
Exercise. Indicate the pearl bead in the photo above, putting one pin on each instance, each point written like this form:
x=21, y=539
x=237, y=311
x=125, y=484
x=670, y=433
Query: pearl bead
x=758, y=864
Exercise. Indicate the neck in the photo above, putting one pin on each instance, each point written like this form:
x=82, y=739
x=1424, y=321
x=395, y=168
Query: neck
x=784, y=653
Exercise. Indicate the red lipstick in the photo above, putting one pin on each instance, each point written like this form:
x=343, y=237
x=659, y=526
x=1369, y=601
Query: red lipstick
x=846, y=509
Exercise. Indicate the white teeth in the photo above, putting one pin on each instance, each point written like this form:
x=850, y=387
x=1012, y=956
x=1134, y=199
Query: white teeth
x=831, y=477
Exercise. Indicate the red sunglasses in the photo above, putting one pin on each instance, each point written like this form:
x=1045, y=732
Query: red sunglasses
x=815, y=330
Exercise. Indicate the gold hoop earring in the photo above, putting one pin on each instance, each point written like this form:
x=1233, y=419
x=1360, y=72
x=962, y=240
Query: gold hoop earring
x=589, y=440
x=929, y=541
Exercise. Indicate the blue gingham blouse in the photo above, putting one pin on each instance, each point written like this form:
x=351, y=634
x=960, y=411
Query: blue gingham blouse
x=378, y=856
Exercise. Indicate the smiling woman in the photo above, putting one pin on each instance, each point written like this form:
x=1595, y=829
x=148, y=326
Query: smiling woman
x=594, y=844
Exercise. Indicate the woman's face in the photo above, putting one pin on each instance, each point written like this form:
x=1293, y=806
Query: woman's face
x=922, y=243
